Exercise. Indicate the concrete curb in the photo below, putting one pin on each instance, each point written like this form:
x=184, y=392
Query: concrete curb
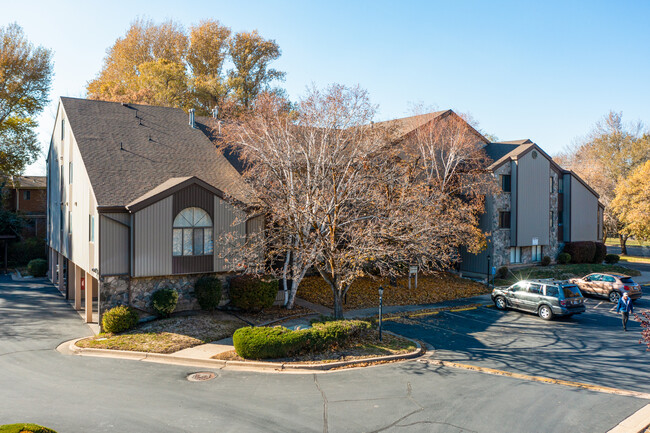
x=635, y=423
x=70, y=348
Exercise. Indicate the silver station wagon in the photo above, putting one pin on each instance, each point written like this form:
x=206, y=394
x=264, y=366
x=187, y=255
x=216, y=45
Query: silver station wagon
x=547, y=298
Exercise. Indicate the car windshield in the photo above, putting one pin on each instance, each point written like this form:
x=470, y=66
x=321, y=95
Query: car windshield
x=627, y=280
x=571, y=292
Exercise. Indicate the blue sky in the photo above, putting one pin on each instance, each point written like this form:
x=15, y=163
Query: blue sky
x=540, y=70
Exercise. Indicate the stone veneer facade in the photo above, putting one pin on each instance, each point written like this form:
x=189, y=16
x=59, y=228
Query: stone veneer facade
x=137, y=292
x=501, y=238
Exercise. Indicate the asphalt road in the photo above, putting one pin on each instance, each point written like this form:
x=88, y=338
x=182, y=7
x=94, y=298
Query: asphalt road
x=86, y=394
x=590, y=348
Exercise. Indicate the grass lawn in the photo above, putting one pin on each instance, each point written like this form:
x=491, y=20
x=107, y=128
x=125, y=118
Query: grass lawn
x=614, y=242
x=24, y=428
x=561, y=272
x=635, y=259
x=439, y=287
x=169, y=335
x=366, y=347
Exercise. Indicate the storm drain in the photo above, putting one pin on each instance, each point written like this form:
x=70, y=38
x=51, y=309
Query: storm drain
x=201, y=376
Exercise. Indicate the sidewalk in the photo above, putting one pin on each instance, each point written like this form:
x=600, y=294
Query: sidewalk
x=207, y=351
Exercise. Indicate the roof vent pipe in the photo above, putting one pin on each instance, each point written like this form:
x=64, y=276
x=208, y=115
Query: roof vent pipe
x=192, y=118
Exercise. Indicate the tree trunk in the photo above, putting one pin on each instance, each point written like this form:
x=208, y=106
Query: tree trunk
x=338, y=305
x=622, y=240
x=292, y=293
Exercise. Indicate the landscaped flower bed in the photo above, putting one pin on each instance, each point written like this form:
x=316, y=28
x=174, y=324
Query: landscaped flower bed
x=323, y=342
x=168, y=335
x=439, y=287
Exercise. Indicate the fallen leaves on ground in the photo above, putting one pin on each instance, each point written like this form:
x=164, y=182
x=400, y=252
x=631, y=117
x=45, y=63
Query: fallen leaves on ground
x=169, y=335
x=364, y=293
x=274, y=313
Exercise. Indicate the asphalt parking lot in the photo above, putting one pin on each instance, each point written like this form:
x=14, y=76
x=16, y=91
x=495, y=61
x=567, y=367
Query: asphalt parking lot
x=589, y=348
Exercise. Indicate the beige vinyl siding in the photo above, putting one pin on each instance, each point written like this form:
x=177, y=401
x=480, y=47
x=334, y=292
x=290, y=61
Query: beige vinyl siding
x=255, y=224
x=77, y=203
x=532, y=199
x=584, y=213
x=224, y=217
x=114, y=243
x=153, y=239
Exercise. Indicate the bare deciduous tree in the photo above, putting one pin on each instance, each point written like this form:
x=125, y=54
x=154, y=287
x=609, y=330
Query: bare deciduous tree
x=342, y=196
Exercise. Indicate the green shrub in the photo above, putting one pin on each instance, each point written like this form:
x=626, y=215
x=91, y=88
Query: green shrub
x=612, y=259
x=563, y=258
x=24, y=427
x=601, y=252
x=502, y=273
x=581, y=252
x=208, y=292
x=37, y=267
x=251, y=293
x=119, y=319
x=279, y=342
x=164, y=301
x=268, y=343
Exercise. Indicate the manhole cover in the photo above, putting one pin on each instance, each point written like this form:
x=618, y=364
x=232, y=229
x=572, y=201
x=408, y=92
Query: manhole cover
x=200, y=376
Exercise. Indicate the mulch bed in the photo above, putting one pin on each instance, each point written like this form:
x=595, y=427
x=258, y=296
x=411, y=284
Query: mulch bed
x=274, y=313
x=431, y=289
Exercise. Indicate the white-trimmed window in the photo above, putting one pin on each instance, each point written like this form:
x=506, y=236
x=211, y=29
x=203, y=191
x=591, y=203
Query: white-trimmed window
x=536, y=255
x=192, y=233
x=515, y=254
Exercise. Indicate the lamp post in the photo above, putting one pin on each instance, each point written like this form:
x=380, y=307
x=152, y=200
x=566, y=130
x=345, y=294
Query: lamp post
x=488, y=271
x=381, y=304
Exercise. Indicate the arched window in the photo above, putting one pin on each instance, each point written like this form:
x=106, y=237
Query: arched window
x=192, y=233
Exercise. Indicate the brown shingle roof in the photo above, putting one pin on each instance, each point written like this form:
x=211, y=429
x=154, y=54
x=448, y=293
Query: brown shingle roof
x=128, y=150
x=28, y=182
x=401, y=127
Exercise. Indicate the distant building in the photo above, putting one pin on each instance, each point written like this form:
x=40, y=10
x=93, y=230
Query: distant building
x=539, y=208
x=27, y=195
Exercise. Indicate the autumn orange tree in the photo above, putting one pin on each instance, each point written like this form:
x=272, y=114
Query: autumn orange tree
x=163, y=64
x=341, y=196
x=632, y=203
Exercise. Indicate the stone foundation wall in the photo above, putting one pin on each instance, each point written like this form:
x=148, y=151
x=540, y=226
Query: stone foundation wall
x=113, y=291
x=137, y=292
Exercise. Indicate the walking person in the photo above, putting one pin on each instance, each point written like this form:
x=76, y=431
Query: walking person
x=625, y=307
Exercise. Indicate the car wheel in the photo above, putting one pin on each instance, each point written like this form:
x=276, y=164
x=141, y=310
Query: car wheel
x=545, y=312
x=614, y=296
x=500, y=303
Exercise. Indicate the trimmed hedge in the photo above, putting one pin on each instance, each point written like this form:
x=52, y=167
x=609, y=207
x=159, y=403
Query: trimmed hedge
x=208, y=292
x=25, y=427
x=280, y=342
x=251, y=293
x=25, y=251
x=563, y=258
x=601, y=252
x=164, y=301
x=584, y=251
x=546, y=260
x=37, y=267
x=612, y=259
x=119, y=319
